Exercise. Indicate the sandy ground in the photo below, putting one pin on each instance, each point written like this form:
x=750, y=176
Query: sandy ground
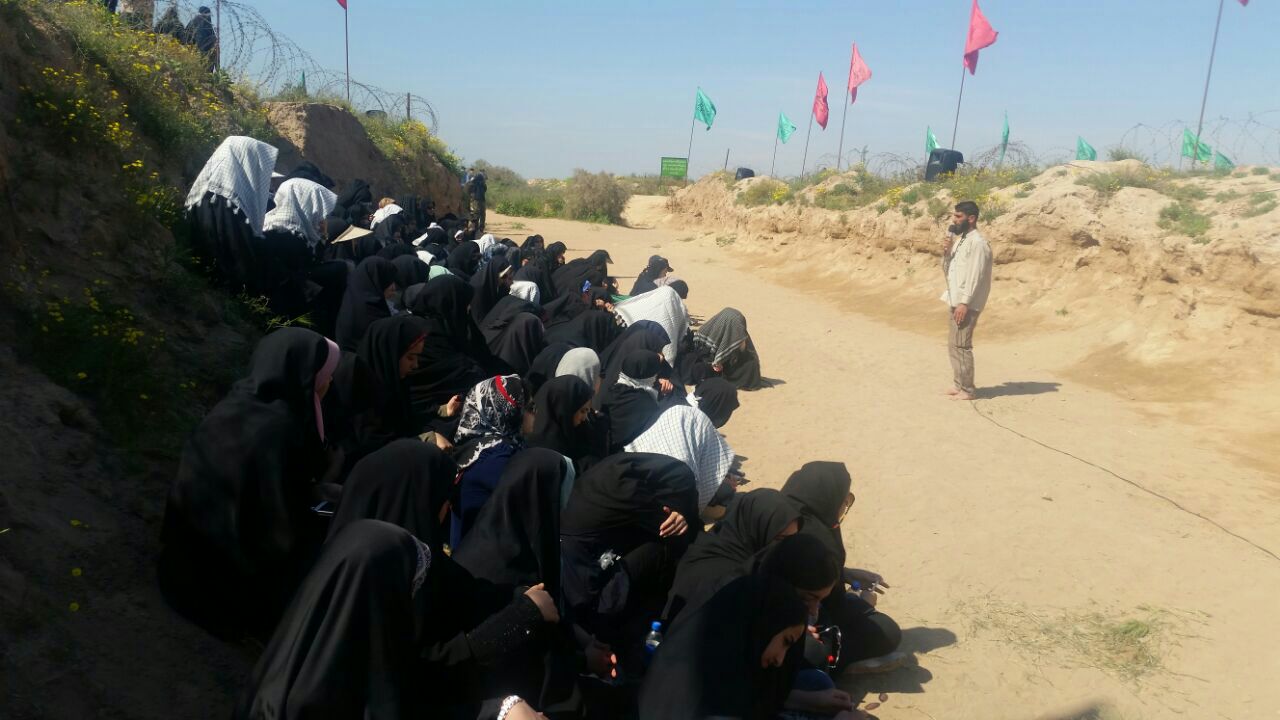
x=1033, y=574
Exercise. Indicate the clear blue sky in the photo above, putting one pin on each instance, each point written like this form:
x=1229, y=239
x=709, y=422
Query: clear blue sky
x=545, y=87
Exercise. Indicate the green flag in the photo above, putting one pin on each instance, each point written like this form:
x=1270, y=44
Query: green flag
x=1192, y=148
x=703, y=109
x=1222, y=162
x=785, y=127
x=1085, y=151
x=1004, y=138
x=930, y=141
x=303, y=83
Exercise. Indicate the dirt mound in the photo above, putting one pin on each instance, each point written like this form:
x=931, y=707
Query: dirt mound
x=338, y=144
x=1065, y=251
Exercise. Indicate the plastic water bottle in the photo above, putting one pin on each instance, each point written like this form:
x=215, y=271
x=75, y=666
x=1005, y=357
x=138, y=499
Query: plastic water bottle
x=652, y=640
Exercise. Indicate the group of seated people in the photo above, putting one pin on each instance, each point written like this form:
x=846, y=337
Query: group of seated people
x=495, y=487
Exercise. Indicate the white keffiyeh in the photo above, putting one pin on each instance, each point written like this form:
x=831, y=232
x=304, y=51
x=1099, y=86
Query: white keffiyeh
x=664, y=307
x=240, y=171
x=383, y=213
x=486, y=243
x=300, y=207
x=526, y=290
x=686, y=434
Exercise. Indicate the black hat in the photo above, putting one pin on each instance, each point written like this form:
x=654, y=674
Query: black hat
x=657, y=262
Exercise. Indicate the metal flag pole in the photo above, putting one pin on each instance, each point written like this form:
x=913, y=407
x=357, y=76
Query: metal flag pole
x=726, y=159
x=805, y=159
x=217, y=49
x=1195, y=153
x=843, y=116
x=346, y=44
x=688, y=156
x=956, y=127
x=774, y=166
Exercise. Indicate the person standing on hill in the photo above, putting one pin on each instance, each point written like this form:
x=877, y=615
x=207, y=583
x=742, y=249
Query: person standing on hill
x=966, y=264
x=200, y=33
x=476, y=190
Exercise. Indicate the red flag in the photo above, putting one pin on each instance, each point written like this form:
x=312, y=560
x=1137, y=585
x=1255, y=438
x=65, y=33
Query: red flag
x=981, y=35
x=858, y=73
x=820, y=109
x=343, y=3
x=1244, y=3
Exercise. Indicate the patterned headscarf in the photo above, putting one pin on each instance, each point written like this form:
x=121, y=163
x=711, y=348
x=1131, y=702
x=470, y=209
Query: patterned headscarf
x=492, y=414
x=722, y=334
x=300, y=206
x=240, y=171
x=686, y=434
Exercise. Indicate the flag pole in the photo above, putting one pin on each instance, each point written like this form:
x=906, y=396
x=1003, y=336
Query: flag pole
x=843, y=117
x=805, y=159
x=1195, y=154
x=774, y=166
x=726, y=159
x=688, y=156
x=956, y=127
x=346, y=45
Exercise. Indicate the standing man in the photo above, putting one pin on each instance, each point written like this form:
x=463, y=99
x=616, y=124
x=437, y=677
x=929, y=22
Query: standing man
x=477, y=189
x=966, y=264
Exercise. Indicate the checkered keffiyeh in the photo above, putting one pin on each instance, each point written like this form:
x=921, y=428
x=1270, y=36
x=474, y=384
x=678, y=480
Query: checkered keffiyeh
x=664, y=307
x=720, y=336
x=686, y=434
x=300, y=206
x=240, y=171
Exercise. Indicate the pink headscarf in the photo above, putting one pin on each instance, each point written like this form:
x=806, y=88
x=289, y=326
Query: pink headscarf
x=323, y=376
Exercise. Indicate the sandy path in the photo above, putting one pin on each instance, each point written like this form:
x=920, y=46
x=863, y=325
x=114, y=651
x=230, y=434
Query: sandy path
x=1007, y=559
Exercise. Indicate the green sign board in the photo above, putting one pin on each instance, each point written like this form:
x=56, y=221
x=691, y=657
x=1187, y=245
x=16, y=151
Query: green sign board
x=674, y=167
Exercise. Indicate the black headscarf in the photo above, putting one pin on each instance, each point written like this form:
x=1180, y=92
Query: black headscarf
x=307, y=170
x=631, y=410
x=452, y=358
x=643, y=335
x=534, y=273
x=463, y=260
x=353, y=391
x=384, y=344
x=752, y=522
x=353, y=199
x=593, y=269
x=532, y=244
x=487, y=282
x=386, y=230
x=409, y=271
x=501, y=315
x=595, y=329
x=651, y=272
x=681, y=287
x=802, y=560
x=819, y=489
x=556, y=403
x=391, y=251
x=709, y=663
x=520, y=343
x=718, y=398
x=237, y=525
x=405, y=483
x=348, y=644
x=544, y=366
x=516, y=537
x=365, y=300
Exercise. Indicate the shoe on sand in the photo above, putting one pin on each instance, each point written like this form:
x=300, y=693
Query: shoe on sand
x=882, y=664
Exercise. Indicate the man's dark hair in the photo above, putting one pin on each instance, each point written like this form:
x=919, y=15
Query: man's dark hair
x=968, y=207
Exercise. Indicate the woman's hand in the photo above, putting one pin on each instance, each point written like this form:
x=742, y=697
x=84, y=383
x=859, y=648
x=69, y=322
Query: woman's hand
x=542, y=599
x=453, y=406
x=665, y=387
x=443, y=443
x=866, y=578
x=601, y=660
x=522, y=711
x=675, y=524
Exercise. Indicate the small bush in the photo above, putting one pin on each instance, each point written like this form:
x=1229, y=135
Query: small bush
x=1108, y=184
x=1260, y=171
x=1227, y=196
x=1183, y=219
x=938, y=208
x=1123, y=153
x=1186, y=193
x=1260, y=204
x=650, y=184
x=595, y=197
x=404, y=142
x=765, y=192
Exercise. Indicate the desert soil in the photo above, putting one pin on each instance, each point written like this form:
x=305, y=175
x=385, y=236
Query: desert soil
x=1070, y=545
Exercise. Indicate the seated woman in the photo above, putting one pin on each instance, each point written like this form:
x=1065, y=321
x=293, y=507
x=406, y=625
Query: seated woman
x=298, y=280
x=543, y=367
x=501, y=316
x=631, y=404
x=370, y=288
x=717, y=398
x=410, y=271
x=644, y=335
x=454, y=358
x=390, y=348
x=687, y=434
x=464, y=260
x=648, y=278
x=593, y=328
x=621, y=535
x=351, y=642
x=821, y=491
x=582, y=363
x=573, y=275
x=488, y=436
x=735, y=657
x=519, y=342
x=238, y=528
x=561, y=409
x=723, y=343
x=226, y=207
x=491, y=283
x=663, y=306
x=753, y=521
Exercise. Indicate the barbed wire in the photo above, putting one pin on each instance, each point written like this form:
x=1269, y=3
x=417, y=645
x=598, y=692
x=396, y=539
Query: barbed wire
x=255, y=54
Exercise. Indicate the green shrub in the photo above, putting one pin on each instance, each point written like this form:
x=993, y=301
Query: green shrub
x=1109, y=183
x=938, y=208
x=765, y=191
x=650, y=184
x=595, y=197
x=1227, y=196
x=1183, y=219
x=404, y=142
x=1186, y=193
x=1260, y=171
x=1260, y=204
x=1123, y=153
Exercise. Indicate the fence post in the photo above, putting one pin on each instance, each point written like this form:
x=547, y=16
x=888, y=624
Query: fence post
x=408, y=106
